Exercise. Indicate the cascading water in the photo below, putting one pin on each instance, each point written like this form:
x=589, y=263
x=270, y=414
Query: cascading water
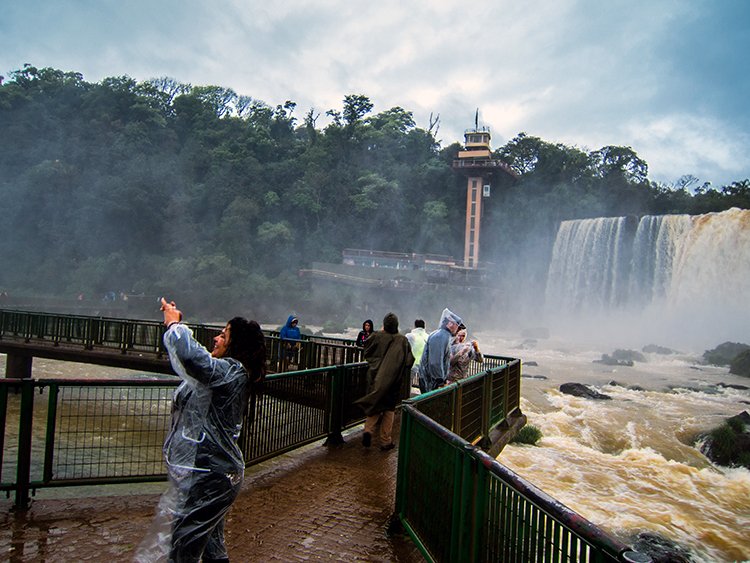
x=662, y=274
x=656, y=243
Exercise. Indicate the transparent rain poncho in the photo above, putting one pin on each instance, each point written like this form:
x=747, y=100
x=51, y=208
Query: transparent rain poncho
x=204, y=462
x=462, y=354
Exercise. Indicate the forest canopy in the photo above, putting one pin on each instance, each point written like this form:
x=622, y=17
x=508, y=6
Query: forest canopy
x=146, y=186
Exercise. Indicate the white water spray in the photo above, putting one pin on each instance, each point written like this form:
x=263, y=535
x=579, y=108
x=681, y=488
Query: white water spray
x=672, y=279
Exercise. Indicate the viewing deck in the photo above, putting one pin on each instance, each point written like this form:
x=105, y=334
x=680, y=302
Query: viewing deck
x=315, y=503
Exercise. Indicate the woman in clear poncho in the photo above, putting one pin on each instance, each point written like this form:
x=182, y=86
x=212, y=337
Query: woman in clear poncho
x=462, y=354
x=204, y=462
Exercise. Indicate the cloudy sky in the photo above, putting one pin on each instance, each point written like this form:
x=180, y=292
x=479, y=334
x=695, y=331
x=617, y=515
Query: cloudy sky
x=670, y=78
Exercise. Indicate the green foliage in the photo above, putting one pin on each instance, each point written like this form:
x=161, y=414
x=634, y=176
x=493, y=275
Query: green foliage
x=725, y=353
x=736, y=424
x=528, y=434
x=356, y=107
x=740, y=365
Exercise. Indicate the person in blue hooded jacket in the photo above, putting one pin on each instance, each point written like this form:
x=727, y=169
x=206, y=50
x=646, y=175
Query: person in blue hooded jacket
x=290, y=337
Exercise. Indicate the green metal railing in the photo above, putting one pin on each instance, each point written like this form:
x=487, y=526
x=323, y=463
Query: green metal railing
x=92, y=432
x=88, y=332
x=461, y=505
x=129, y=336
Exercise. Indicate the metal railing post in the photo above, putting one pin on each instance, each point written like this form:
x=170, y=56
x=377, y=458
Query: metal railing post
x=23, y=465
x=336, y=407
x=3, y=417
x=463, y=524
x=49, y=445
x=404, y=458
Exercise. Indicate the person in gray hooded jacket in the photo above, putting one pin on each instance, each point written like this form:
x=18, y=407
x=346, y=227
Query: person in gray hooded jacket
x=435, y=362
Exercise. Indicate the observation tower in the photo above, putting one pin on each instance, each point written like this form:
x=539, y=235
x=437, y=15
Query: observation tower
x=475, y=162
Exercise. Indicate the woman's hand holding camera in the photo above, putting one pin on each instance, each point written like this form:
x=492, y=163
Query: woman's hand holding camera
x=171, y=313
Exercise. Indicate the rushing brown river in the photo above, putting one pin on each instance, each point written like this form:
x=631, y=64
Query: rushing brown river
x=630, y=465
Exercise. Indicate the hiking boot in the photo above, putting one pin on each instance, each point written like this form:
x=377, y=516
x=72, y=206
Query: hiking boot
x=387, y=447
x=366, y=439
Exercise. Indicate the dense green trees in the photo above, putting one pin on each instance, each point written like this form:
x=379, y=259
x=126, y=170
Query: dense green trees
x=154, y=186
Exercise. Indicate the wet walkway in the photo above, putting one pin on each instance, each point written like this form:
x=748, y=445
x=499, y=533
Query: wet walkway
x=316, y=503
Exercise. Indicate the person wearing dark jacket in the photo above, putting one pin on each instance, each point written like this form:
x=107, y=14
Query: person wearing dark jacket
x=367, y=328
x=389, y=360
x=204, y=462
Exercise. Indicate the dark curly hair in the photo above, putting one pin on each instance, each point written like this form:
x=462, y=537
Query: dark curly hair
x=247, y=344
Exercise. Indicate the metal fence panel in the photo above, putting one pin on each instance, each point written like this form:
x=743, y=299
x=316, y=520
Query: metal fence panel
x=292, y=411
x=471, y=416
x=108, y=431
x=459, y=504
x=429, y=491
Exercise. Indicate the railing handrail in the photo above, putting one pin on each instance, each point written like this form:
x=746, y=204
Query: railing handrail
x=469, y=497
x=320, y=392
x=84, y=334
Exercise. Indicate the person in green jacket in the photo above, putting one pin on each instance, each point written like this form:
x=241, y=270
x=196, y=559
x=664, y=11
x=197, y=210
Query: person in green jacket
x=417, y=339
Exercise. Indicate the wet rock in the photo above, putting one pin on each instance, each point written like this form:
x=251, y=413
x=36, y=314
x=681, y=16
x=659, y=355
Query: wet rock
x=581, y=390
x=661, y=550
x=740, y=365
x=608, y=360
x=630, y=387
x=742, y=418
x=729, y=444
x=694, y=389
x=528, y=364
x=628, y=356
x=524, y=376
x=733, y=386
x=655, y=349
x=724, y=353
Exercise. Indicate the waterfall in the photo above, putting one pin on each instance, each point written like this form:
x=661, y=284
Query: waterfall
x=586, y=269
x=687, y=269
x=656, y=242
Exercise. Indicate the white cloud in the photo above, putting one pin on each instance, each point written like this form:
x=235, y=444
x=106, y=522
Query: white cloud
x=580, y=72
x=680, y=144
